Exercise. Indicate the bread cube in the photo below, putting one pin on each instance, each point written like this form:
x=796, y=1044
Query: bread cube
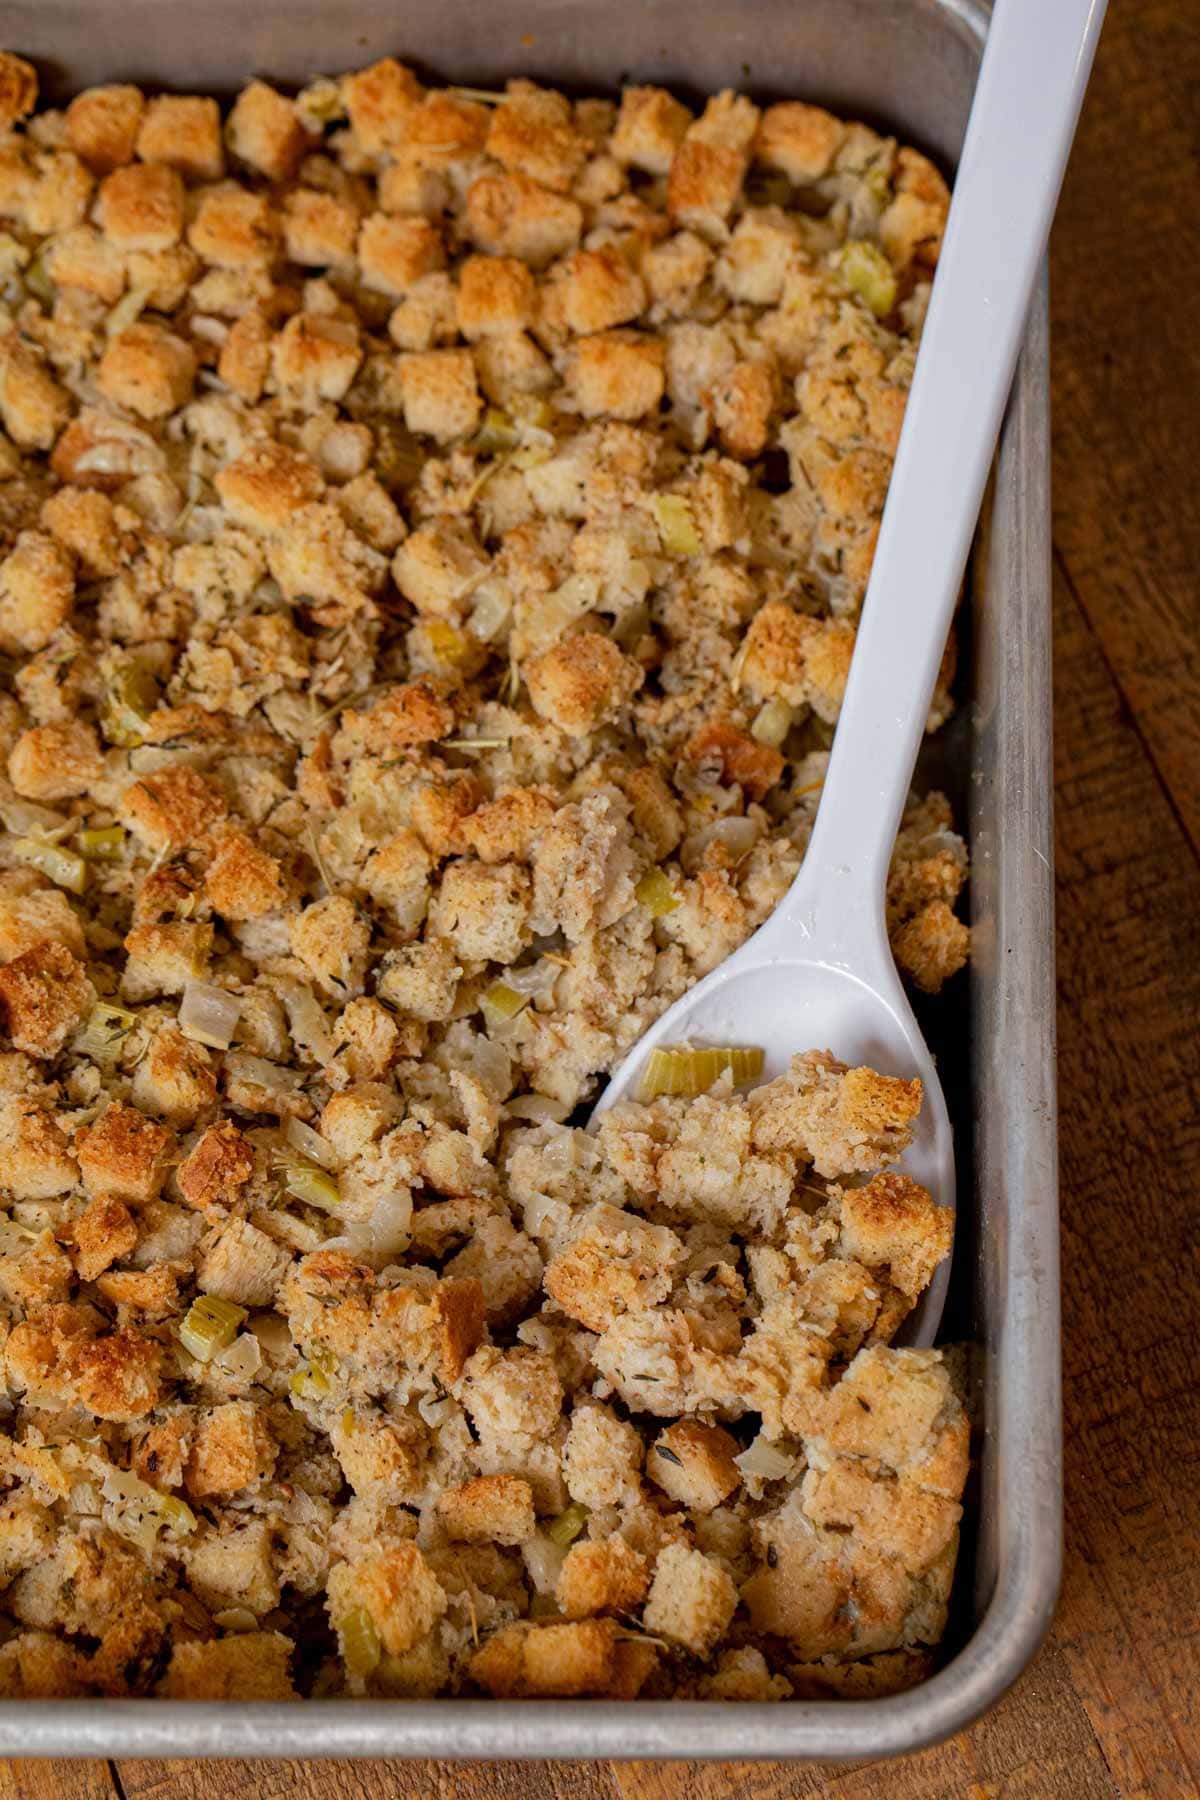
x=123, y=1154
x=147, y=369
x=37, y=594
x=582, y=683
x=264, y=131
x=183, y=131
x=692, y=1600
x=441, y=399
x=102, y=126
x=617, y=375
x=649, y=130
x=44, y=995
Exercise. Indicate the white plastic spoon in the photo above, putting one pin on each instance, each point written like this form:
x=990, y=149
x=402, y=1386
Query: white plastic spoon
x=819, y=974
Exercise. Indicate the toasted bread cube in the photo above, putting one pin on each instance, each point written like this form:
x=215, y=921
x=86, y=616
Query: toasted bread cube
x=399, y=1590
x=496, y=294
x=315, y=358
x=692, y=1600
x=264, y=131
x=162, y=959
x=119, y=1377
x=436, y=564
x=845, y=1121
x=381, y=101
x=31, y=915
x=800, y=141
x=44, y=993
x=649, y=130
x=183, y=131
x=421, y=980
x=615, y=1262
x=83, y=259
x=242, y=1263
x=233, y=1565
x=532, y=134
x=232, y=1449
x=18, y=89
x=582, y=682
x=104, y=1232
x=141, y=207
x=602, y=1458
x=396, y=877
x=147, y=369
x=525, y=1661
x=103, y=124
x=35, y=1158
x=601, y=291
x=508, y=1391
x=483, y=910
x=601, y=1576
x=242, y=880
x=123, y=1155
x=394, y=253
x=32, y=404
x=250, y=1666
x=931, y=946
x=55, y=762
x=319, y=231
x=492, y=1509
x=704, y=185
x=441, y=399
x=331, y=938
x=245, y=359
x=235, y=228
x=172, y=807
x=505, y=828
x=892, y=1222
x=741, y=408
x=37, y=593
x=617, y=375
x=674, y=271
x=263, y=486
x=509, y=215
x=403, y=719
x=141, y=1290
x=215, y=1170
x=174, y=1080
x=694, y=1464
x=27, y=1534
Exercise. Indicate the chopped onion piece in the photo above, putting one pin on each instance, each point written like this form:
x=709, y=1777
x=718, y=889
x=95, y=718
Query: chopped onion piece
x=690, y=1072
x=243, y=1358
x=540, y=1108
x=544, y=1560
x=208, y=1015
x=236, y=1618
x=64, y=867
x=765, y=1459
x=310, y=1144
x=390, y=1224
x=772, y=724
x=361, y=1649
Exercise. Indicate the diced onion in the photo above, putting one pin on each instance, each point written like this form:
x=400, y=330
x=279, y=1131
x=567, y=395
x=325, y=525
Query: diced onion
x=243, y=1358
x=736, y=837
x=310, y=1144
x=772, y=724
x=567, y=1526
x=766, y=1460
x=390, y=1224
x=676, y=526
x=497, y=433
x=235, y=1618
x=491, y=610
x=211, y=1325
x=688, y=1072
x=656, y=894
x=449, y=645
x=540, y=1108
x=361, y=1648
x=126, y=312
x=208, y=1015
x=435, y=1411
x=64, y=867
x=868, y=273
x=544, y=1560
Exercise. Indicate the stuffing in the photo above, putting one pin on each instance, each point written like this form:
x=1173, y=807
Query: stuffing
x=436, y=529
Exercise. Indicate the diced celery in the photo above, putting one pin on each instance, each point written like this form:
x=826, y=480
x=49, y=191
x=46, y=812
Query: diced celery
x=305, y=1181
x=500, y=1003
x=63, y=867
x=567, y=1526
x=211, y=1325
x=656, y=894
x=868, y=273
x=691, y=1072
x=131, y=697
x=105, y=1030
x=496, y=434
x=103, y=843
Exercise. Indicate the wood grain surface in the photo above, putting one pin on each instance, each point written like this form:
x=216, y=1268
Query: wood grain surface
x=1110, y=1710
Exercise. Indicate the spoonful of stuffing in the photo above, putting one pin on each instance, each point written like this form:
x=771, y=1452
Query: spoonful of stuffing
x=820, y=971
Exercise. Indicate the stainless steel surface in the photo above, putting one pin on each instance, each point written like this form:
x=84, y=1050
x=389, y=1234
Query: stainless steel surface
x=910, y=64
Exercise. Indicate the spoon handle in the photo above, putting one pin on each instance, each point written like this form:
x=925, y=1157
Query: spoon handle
x=1034, y=71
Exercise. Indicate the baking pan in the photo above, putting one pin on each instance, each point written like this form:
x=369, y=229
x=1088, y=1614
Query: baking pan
x=908, y=65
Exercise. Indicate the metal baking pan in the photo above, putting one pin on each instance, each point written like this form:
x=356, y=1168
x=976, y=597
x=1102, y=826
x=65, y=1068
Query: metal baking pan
x=909, y=65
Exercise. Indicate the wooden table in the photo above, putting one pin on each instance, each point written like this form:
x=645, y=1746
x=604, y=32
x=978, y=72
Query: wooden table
x=1111, y=1707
